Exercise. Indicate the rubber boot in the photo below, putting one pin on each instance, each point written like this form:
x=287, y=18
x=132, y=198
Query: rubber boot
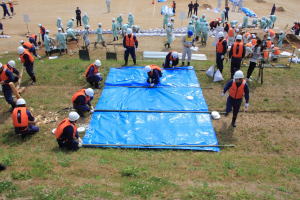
x=188, y=64
x=182, y=64
x=233, y=122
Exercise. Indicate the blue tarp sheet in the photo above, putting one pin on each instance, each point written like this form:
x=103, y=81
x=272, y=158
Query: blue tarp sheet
x=179, y=91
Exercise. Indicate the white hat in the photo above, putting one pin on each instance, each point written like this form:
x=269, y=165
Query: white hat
x=11, y=63
x=72, y=18
x=239, y=37
x=97, y=63
x=47, y=31
x=238, y=74
x=169, y=24
x=20, y=102
x=220, y=35
x=58, y=18
x=129, y=31
x=21, y=50
x=99, y=24
x=73, y=116
x=21, y=41
x=269, y=38
x=40, y=25
x=147, y=68
x=174, y=54
x=89, y=92
x=172, y=18
x=113, y=19
x=59, y=29
x=87, y=27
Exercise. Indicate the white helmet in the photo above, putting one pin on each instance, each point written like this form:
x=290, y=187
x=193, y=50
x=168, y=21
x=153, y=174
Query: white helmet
x=174, y=54
x=73, y=116
x=239, y=37
x=237, y=30
x=113, y=19
x=269, y=38
x=40, y=25
x=169, y=25
x=59, y=29
x=129, y=31
x=89, y=92
x=85, y=14
x=253, y=36
x=220, y=35
x=87, y=26
x=97, y=63
x=72, y=18
x=238, y=74
x=172, y=18
x=215, y=115
x=21, y=41
x=20, y=50
x=130, y=14
x=147, y=68
x=11, y=63
x=190, y=22
x=99, y=24
x=20, y=102
x=59, y=18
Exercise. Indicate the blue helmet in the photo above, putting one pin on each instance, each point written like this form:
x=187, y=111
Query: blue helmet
x=190, y=33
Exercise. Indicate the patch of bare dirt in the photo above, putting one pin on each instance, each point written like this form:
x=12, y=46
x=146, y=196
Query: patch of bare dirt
x=260, y=1
x=205, y=6
x=280, y=9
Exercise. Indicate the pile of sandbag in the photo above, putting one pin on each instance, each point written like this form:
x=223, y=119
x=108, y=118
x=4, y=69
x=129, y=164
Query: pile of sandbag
x=215, y=74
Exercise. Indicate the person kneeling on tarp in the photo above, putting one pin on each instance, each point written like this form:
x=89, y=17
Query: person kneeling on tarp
x=23, y=120
x=66, y=133
x=237, y=89
x=82, y=101
x=171, y=60
x=154, y=73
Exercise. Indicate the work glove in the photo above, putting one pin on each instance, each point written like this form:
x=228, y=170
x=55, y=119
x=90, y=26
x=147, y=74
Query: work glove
x=171, y=63
x=222, y=94
x=222, y=57
x=152, y=85
x=79, y=142
x=246, y=106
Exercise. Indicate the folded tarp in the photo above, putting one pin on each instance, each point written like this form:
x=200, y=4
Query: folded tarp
x=159, y=54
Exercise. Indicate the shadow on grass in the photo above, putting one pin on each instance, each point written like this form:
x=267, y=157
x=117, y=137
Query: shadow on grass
x=12, y=139
x=226, y=134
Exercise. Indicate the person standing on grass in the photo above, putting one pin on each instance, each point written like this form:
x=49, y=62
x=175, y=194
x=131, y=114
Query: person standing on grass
x=236, y=54
x=23, y=120
x=130, y=43
x=255, y=58
x=78, y=16
x=28, y=61
x=196, y=6
x=66, y=133
x=237, y=88
x=221, y=50
x=190, y=12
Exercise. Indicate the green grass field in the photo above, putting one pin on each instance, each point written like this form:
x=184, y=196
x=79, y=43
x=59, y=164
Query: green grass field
x=265, y=164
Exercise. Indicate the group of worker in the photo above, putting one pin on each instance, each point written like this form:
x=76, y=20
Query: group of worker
x=5, y=9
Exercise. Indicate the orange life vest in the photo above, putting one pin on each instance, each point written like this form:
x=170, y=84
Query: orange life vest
x=254, y=42
x=269, y=44
x=276, y=51
x=230, y=32
x=42, y=30
x=88, y=69
x=20, y=117
x=10, y=5
x=8, y=68
x=129, y=41
x=81, y=93
x=237, y=50
x=272, y=33
x=247, y=34
x=26, y=52
x=220, y=47
x=237, y=92
x=34, y=36
x=27, y=45
x=60, y=129
x=266, y=54
x=3, y=76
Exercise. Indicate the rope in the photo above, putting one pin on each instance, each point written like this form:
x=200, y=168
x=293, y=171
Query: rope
x=158, y=111
x=153, y=145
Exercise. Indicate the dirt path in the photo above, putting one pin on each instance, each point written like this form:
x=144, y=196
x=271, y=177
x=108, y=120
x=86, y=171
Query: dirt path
x=146, y=15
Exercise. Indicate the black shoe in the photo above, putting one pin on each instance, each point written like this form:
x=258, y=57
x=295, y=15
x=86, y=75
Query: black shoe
x=226, y=114
x=233, y=125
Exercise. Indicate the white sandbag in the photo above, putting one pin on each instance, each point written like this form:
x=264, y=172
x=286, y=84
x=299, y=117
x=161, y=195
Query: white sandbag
x=210, y=72
x=218, y=76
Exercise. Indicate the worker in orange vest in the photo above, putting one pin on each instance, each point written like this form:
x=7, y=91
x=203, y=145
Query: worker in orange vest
x=238, y=88
x=28, y=61
x=66, y=133
x=231, y=35
x=92, y=74
x=269, y=43
x=6, y=76
x=32, y=39
x=130, y=43
x=30, y=47
x=171, y=59
x=42, y=31
x=154, y=73
x=23, y=120
x=221, y=49
x=236, y=54
x=82, y=101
